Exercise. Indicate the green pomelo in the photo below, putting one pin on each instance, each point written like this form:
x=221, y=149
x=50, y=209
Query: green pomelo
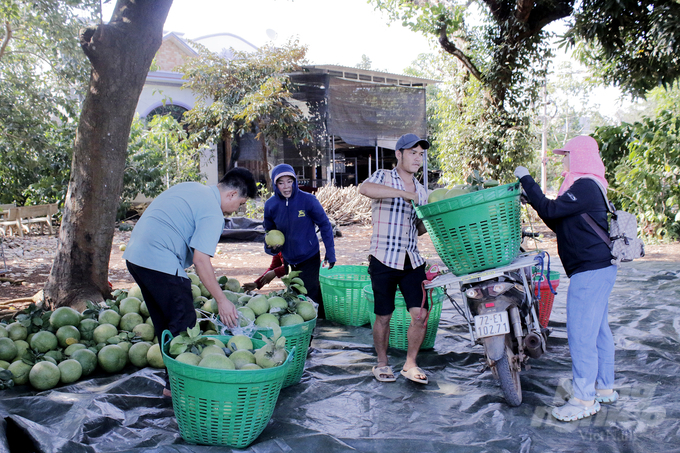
x=204, y=290
x=239, y=342
x=70, y=371
x=232, y=285
x=103, y=332
x=22, y=347
x=155, y=357
x=109, y=316
x=16, y=331
x=87, y=360
x=68, y=335
x=56, y=354
x=144, y=310
x=266, y=360
x=306, y=310
x=87, y=327
x=144, y=331
x=195, y=291
x=274, y=238
x=232, y=296
x=64, y=316
x=68, y=352
x=210, y=332
x=129, y=321
x=267, y=320
x=259, y=304
x=242, y=357
x=137, y=354
x=247, y=316
x=8, y=350
x=44, y=375
x=437, y=195
x=4, y=364
x=291, y=319
x=210, y=306
x=3, y=332
x=251, y=366
x=216, y=341
x=189, y=358
x=456, y=192
x=135, y=291
x=112, y=358
x=129, y=305
x=149, y=321
x=212, y=349
x=20, y=371
x=277, y=302
x=244, y=299
x=49, y=359
x=217, y=361
x=44, y=341
x=195, y=279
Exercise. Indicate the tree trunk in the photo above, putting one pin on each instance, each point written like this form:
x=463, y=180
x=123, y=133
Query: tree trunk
x=120, y=53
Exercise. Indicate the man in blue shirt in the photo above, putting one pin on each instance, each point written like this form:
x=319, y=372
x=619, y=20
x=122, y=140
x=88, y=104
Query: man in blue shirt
x=181, y=227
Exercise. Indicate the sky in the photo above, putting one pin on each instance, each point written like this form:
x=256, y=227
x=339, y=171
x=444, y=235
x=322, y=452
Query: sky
x=335, y=31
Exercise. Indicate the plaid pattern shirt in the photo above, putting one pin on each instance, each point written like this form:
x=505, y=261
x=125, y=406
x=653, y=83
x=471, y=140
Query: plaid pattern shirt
x=394, y=221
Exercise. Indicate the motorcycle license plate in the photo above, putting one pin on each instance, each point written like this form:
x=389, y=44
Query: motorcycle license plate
x=492, y=324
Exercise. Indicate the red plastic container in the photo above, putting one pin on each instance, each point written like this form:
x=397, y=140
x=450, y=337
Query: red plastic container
x=545, y=304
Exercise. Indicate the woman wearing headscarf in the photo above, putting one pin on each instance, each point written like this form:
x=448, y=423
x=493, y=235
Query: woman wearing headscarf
x=587, y=261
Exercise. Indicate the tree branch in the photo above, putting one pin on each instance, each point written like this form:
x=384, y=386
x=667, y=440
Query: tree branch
x=451, y=48
x=5, y=41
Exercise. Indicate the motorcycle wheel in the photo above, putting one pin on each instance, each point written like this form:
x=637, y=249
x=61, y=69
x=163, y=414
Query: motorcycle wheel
x=509, y=379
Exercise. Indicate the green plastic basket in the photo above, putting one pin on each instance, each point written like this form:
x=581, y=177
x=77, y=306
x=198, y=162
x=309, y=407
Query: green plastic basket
x=401, y=318
x=298, y=336
x=222, y=407
x=341, y=289
x=475, y=231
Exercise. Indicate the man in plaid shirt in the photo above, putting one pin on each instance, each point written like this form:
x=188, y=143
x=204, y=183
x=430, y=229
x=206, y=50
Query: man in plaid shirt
x=394, y=258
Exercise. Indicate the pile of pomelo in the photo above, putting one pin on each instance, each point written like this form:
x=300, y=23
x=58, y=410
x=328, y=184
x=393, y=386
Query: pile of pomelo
x=48, y=348
x=278, y=308
x=474, y=182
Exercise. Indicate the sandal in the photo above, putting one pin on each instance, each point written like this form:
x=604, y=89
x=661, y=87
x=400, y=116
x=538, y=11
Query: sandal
x=412, y=374
x=606, y=399
x=573, y=411
x=383, y=374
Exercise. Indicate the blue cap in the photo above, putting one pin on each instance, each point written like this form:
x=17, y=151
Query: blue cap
x=408, y=141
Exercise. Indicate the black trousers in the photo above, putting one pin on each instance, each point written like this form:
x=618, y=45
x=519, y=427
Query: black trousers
x=310, y=275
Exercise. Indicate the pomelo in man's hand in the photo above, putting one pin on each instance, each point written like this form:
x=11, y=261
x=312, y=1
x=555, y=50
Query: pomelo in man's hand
x=274, y=238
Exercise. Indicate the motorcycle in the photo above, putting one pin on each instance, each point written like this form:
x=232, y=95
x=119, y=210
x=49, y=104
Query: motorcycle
x=502, y=312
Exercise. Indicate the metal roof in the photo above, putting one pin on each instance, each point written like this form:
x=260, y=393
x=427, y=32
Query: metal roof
x=370, y=76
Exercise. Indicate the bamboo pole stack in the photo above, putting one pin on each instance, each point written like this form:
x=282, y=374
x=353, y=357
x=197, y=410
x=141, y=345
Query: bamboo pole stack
x=345, y=205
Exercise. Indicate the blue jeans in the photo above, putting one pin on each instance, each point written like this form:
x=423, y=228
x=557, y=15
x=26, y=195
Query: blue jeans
x=591, y=343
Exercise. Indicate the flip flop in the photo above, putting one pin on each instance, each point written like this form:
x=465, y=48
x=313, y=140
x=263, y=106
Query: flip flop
x=412, y=373
x=574, y=410
x=383, y=374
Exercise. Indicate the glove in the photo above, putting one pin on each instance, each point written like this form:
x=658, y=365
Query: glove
x=330, y=265
x=521, y=172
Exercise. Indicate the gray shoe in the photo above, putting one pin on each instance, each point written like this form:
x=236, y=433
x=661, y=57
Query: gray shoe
x=606, y=399
x=574, y=410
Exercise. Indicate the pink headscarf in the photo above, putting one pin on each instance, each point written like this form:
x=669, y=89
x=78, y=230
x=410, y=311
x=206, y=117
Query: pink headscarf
x=584, y=161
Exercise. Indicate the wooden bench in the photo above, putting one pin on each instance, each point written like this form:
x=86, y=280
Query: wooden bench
x=21, y=217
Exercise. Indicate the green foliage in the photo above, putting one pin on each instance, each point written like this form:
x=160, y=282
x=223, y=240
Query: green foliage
x=255, y=208
x=42, y=71
x=632, y=44
x=159, y=156
x=647, y=172
x=245, y=93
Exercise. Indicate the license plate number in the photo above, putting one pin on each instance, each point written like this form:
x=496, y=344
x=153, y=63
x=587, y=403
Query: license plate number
x=492, y=324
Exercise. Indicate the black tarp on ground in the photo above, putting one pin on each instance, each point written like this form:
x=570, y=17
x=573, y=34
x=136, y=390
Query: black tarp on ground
x=339, y=407
x=242, y=229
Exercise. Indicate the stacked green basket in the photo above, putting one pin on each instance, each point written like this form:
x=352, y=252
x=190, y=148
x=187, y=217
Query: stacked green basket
x=401, y=318
x=298, y=336
x=475, y=231
x=341, y=289
x=222, y=407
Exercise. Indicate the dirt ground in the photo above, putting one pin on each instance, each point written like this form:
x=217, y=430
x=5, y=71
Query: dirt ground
x=28, y=260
